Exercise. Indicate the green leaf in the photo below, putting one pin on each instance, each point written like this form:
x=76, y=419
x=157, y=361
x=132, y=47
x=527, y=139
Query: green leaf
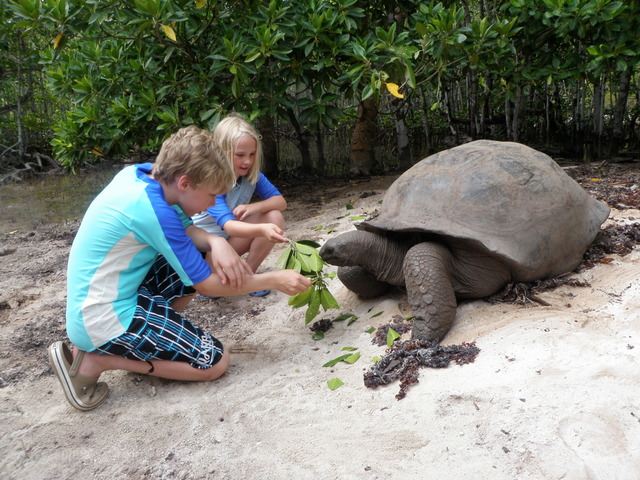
x=335, y=383
x=339, y=359
x=305, y=249
x=353, y=358
x=392, y=336
x=318, y=335
x=327, y=300
x=310, y=243
x=370, y=330
x=349, y=349
x=301, y=299
x=377, y=314
x=314, y=307
x=344, y=316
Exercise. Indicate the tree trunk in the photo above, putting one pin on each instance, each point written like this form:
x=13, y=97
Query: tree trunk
x=363, y=139
x=507, y=118
x=619, y=111
x=402, y=140
x=21, y=145
x=472, y=87
x=485, y=116
x=302, y=143
x=269, y=143
x=518, y=108
x=598, y=118
x=322, y=164
x=578, y=135
x=425, y=123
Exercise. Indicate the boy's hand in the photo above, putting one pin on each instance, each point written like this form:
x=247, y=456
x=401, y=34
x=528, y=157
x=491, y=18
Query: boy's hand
x=228, y=265
x=291, y=282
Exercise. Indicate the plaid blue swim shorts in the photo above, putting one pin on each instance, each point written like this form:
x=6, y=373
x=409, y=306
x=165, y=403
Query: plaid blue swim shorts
x=158, y=331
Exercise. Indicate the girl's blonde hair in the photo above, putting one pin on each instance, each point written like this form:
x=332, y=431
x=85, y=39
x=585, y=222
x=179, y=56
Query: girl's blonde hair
x=229, y=131
x=194, y=152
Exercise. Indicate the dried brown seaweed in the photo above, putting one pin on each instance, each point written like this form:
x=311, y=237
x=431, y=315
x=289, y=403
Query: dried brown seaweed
x=403, y=360
x=398, y=323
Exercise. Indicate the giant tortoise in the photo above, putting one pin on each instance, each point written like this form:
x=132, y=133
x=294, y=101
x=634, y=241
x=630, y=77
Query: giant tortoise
x=463, y=223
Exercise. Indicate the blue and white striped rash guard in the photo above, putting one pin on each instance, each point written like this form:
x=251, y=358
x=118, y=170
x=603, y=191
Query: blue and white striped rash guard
x=124, y=229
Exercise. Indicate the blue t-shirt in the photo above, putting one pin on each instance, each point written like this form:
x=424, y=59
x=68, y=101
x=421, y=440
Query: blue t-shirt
x=124, y=229
x=215, y=217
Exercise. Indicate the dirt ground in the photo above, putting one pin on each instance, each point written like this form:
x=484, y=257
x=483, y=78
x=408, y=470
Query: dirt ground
x=553, y=393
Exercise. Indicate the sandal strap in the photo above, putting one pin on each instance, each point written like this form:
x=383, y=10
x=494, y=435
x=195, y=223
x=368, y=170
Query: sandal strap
x=73, y=371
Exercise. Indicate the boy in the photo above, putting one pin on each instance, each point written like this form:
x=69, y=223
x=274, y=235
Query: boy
x=136, y=262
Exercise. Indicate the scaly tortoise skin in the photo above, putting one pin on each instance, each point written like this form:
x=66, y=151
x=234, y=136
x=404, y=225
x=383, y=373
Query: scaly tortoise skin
x=463, y=223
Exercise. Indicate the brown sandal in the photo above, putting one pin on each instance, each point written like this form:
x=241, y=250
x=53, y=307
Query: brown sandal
x=82, y=392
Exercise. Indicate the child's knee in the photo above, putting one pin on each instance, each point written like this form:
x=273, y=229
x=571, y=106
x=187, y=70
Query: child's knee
x=217, y=370
x=275, y=216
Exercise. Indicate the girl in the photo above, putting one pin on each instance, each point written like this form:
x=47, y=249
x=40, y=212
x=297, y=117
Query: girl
x=252, y=228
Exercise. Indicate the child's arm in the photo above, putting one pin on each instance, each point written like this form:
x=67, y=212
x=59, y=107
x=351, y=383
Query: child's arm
x=246, y=229
x=230, y=267
x=289, y=282
x=270, y=231
x=277, y=202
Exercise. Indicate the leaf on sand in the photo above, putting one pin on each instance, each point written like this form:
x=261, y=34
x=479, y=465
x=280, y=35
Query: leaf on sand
x=353, y=358
x=335, y=383
x=348, y=358
x=392, y=336
x=344, y=316
x=331, y=363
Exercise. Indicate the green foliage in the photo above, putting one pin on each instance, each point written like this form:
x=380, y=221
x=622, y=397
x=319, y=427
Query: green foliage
x=133, y=72
x=303, y=257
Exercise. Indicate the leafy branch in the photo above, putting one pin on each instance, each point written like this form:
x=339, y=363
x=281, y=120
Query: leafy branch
x=303, y=257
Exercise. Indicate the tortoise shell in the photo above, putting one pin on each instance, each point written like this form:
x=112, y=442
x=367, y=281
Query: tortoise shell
x=496, y=198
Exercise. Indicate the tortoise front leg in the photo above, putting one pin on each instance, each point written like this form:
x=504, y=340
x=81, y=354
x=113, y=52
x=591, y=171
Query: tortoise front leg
x=362, y=282
x=427, y=273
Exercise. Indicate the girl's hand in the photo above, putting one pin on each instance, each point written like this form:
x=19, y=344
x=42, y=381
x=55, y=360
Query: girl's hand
x=243, y=211
x=291, y=282
x=273, y=233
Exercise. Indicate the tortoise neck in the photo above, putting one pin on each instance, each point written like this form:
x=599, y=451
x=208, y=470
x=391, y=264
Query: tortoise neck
x=383, y=257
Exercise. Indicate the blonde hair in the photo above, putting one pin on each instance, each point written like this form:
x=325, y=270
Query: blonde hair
x=229, y=131
x=193, y=152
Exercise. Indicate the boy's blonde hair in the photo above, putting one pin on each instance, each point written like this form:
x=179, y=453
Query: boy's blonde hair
x=193, y=152
x=229, y=131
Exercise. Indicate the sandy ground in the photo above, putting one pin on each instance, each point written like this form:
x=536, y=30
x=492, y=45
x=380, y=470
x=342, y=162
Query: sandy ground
x=553, y=394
